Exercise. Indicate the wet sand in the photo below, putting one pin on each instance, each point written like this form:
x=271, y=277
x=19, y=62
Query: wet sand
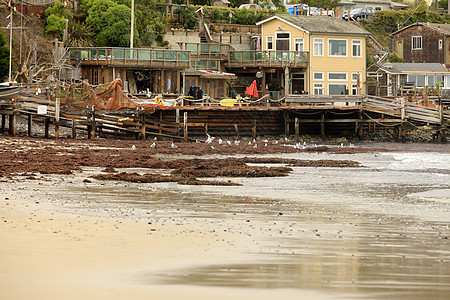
x=377, y=232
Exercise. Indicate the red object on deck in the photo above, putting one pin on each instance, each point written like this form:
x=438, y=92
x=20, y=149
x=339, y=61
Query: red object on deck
x=252, y=90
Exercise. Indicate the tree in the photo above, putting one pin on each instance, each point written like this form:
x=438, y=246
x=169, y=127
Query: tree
x=55, y=17
x=117, y=26
x=81, y=35
x=189, y=16
x=4, y=58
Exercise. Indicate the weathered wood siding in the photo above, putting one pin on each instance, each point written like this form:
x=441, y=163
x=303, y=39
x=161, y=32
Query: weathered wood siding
x=430, y=52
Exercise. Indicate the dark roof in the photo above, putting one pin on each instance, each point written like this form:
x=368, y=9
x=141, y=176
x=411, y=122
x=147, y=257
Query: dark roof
x=443, y=28
x=320, y=24
x=412, y=67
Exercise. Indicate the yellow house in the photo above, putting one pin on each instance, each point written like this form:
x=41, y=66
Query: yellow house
x=336, y=53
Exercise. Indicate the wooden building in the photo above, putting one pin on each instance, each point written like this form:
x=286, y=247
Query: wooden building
x=423, y=43
x=392, y=79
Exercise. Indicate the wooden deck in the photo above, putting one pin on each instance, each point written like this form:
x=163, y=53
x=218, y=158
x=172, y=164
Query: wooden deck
x=292, y=59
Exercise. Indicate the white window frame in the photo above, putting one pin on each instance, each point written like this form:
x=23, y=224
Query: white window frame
x=412, y=42
x=440, y=44
x=336, y=39
x=336, y=83
x=321, y=76
x=329, y=73
x=318, y=41
x=299, y=41
x=288, y=39
x=267, y=42
x=355, y=74
x=319, y=88
x=354, y=89
x=359, y=43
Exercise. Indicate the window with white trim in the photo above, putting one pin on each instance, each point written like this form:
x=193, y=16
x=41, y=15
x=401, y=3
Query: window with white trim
x=337, y=47
x=318, y=88
x=318, y=75
x=355, y=76
x=298, y=44
x=337, y=89
x=354, y=89
x=440, y=44
x=269, y=43
x=356, y=48
x=416, y=42
x=318, y=46
x=337, y=76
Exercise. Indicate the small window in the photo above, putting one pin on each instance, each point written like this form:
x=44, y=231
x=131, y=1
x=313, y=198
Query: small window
x=318, y=75
x=441, y=44
x=318, y=88
x=354, y=89
x=355, y=76
x=337, y=76
x=298, y=44
x=416, y=42
x=337, y=47
x=318, y=47
x=270, y=43
x=356, y=48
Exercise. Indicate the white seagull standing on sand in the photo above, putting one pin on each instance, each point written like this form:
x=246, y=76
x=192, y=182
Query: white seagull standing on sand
x=153, y=145
x=174, y=146
x=133, y=147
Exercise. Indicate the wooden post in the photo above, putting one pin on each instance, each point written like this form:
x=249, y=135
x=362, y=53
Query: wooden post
x=402, y=108
x=286, y=124
x=12, y=125
x=57, y=107
x=237, y=131
x=297, y=130
x=403, y=134
x=159, y=125
x=46, y=127
x=206, y=129
x=3, y=122
x=93, y=123
x=30, y=122
x=286, y=81
x=254, y=129
x=143, y=126
x=322, y=126
x=74, y=129
x=185, y=120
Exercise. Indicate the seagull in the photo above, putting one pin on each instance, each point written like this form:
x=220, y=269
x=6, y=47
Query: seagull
x=155, y=139
x=304, y=143
x=255, y=146
x=275, y=143
x=209, y=139
x=228, y=142
x=220, y=142
x=342, y=145
x=265, y=141
x=212, y=147
x=237, y=143
x=174, y=146
x=250, y=142
x=254, y=141
x=153, y=145
x=265, y=144
x=133, y=147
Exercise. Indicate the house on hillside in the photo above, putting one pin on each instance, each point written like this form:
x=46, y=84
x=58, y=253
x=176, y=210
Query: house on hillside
x=423, y=43
x=345, y=5
x=310, y=55
x=392, y=79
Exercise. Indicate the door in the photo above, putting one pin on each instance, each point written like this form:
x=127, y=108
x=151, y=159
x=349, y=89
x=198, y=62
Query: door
x=298, y=83
x=282, y=42
x=399, y=48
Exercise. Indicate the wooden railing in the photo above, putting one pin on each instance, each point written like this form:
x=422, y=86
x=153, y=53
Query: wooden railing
x=206, y=50
x=235, y=28
x=267, y=58
x=130, y=57
x=323, y=100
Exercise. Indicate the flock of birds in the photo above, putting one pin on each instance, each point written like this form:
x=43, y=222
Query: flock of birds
x=210, y=140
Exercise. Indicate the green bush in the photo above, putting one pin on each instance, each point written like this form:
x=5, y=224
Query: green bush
x=189, y=16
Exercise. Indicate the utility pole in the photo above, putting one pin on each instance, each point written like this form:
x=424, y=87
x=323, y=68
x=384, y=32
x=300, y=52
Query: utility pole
x=11, y=10
x=132, y=25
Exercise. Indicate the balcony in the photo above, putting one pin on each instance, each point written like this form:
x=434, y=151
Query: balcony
x=267, y=59
x=209, y=51
x=126, y=57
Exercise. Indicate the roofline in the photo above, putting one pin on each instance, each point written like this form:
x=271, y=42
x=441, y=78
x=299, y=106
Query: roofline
x=282, y=20
x=410, y=72
x=341, y=33
x=422, y=24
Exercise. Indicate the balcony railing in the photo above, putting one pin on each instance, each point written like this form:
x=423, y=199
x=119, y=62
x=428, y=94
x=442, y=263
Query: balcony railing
x=206, y=50
x=267, y=58
x=205, y=64
x=130, y=57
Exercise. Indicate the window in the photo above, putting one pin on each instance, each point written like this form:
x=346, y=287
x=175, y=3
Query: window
x=434, y=79
x=419, y=80
x=337, y=89
x=337, y=76
x=441, y=44
x=318, y=47
x=283, y=41
x=318, y=88
x=318, y=75
x=298, y=44
x=337, y=47
x=356, y=48
x=355, y=76
x=354, y=89
x=269, y=42
x=416, y=42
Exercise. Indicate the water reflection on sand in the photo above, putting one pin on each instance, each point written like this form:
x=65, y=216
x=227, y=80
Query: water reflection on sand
x=379, y=232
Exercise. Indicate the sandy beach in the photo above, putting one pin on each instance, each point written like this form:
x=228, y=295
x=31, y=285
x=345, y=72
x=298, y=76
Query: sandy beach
x=380, y=231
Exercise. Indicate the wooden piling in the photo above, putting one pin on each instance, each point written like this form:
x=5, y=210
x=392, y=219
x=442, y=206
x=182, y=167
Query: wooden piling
x=74, y=129
x=254, y=129
x=297, y=130
x=206, y=129
x=46, y=127
x=93, y=126
x=185, y=125
x=143, y=126
x=286, y=124
x=29, y=123
x=57, y=107
x=12, y=125
x=3, y=122
x=322, y=126
x=236, y=129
